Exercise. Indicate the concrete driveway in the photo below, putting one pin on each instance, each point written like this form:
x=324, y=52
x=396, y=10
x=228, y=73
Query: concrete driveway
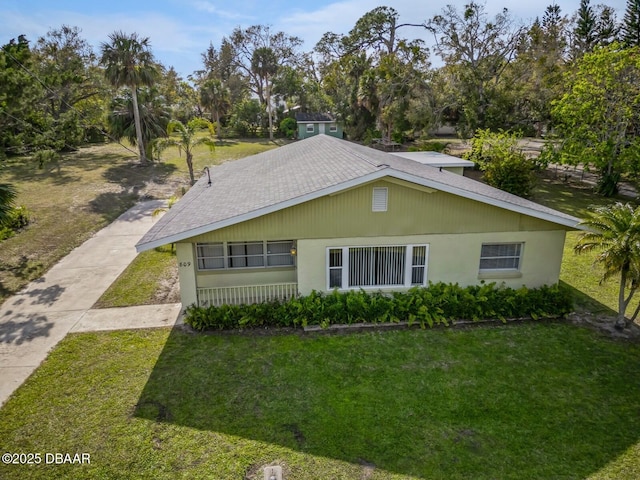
x=36, y=319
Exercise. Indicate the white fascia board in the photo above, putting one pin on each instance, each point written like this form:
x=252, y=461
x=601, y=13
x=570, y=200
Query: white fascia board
x=485, y=199
x=263, y=211
x=385, y=172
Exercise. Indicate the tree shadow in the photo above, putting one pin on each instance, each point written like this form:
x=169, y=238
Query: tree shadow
x=110, y=205
x=331, y=398
x=24, y=328
x=226, y=143
x=134, y=177
x=26, y=169
x=23, y=269
x=585, y=303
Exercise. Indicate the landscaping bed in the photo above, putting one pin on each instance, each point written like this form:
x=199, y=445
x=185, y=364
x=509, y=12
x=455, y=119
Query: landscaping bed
x=437, y=304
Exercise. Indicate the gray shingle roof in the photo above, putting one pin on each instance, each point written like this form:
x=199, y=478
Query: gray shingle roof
x=303, y=117
x=307, y=169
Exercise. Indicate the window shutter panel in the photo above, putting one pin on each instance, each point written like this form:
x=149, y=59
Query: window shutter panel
x=380, y=199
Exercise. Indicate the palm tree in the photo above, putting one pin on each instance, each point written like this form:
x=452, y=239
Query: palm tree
x=154, y=117
x=215, y=96
x=264, y=63
x=187, y=139
x=7, y=197
x=129, y=63
x=614, y=232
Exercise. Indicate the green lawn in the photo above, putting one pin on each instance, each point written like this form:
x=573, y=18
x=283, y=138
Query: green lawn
x=534, y=401
x=84, y=193
x=142, y=280
x=546, y=400
x=578, y=271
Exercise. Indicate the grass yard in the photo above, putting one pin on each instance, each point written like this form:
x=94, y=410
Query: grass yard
x=144, y=281
x=578, y=271
x=85, y=192
x=534, y=401
x=524, y=401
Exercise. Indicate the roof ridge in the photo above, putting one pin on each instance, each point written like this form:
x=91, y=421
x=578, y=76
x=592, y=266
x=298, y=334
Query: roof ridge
x=357, y=154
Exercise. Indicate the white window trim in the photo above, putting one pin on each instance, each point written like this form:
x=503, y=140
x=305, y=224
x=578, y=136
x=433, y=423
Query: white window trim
x=489, y=271
x=311, y=128
x=333, y=128
x=225, y=247
x=407, y=271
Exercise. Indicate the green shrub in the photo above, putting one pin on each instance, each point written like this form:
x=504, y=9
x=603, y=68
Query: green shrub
x=504, y=165
x=289, y=127
x=18, y=218
x=436, y=304
x=429, y=146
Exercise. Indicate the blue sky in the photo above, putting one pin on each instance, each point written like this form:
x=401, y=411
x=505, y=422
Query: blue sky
x=181, y=30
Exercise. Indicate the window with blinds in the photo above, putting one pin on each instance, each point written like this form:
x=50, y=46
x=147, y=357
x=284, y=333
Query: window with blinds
x=500, y=256
x=377, y=266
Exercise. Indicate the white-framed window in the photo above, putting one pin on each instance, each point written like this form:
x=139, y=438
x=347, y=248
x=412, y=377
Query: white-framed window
x=279, y=254
x=333, y=128
x=210, y=256
x=231, y=255
x=380, y=199
x=377, y=266
x=310, y=128
x=500, y=256
x=245, y=254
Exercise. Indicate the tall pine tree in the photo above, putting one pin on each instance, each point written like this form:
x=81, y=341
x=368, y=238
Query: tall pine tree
x=631, y=24
x=584, y=33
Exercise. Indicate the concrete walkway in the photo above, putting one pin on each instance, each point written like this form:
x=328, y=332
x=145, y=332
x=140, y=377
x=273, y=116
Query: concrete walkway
x=36, y=319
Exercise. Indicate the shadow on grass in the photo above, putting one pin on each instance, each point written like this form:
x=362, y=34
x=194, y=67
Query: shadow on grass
x=520, y=402
x=586, y=303
x=570, y=197
x=225, y=143
x=111, y=205
x=133, y=179
x=134, y=176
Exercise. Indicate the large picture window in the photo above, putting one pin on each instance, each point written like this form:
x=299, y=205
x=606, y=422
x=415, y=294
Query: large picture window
x=259, y=254
x=500, y=256
x=376, y=266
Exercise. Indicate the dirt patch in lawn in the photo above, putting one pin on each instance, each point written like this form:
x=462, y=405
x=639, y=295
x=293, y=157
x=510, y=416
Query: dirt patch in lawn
x=605, y=324
x=168, y=288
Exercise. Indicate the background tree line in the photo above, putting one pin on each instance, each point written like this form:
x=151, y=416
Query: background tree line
x=380, y=80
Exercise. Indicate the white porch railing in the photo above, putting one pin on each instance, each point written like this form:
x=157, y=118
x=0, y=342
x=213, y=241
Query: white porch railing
x=246, y=294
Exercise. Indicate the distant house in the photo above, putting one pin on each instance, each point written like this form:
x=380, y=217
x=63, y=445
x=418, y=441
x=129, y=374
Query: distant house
x=310, y=124
x=323, y=214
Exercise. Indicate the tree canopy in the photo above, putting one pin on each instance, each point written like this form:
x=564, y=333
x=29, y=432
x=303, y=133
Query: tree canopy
x=128, y=62
x=381, y=78
x=598, y=119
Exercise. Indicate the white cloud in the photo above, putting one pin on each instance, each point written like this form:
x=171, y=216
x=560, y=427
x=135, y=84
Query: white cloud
x=209, y=7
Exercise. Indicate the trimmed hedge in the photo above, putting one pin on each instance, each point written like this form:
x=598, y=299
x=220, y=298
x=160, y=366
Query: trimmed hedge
x=427, y=306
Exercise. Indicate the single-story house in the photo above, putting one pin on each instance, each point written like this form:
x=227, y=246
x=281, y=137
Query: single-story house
x=310, y=124
x=323, y=214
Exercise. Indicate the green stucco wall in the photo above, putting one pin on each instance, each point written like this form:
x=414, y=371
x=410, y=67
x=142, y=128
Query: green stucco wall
x=317, y=129
x=411, y=211
x=452, y=226
x=452, y=258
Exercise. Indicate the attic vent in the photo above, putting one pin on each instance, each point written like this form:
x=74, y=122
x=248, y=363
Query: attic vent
x=380, y=197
